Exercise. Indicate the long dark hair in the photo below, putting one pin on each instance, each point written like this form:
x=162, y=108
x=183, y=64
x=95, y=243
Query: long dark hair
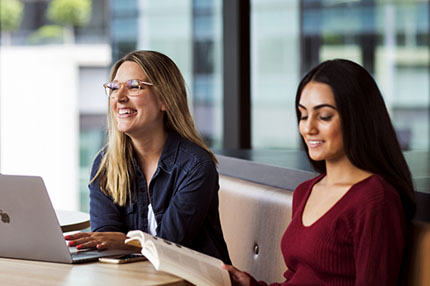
x=369, y=139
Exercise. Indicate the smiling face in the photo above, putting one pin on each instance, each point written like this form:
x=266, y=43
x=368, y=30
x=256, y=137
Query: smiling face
x=320, y=124
x=138, y=115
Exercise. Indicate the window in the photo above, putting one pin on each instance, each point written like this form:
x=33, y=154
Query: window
x=389, y=38
x=63, y=114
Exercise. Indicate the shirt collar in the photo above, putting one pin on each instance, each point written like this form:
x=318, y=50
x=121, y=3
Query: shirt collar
x=170, y=151
x=168, y=156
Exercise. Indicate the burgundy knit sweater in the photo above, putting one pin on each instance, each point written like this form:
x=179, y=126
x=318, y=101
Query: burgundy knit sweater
x=359, y=241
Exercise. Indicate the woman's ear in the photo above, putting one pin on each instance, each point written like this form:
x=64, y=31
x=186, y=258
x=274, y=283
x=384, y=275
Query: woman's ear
x=163, y=107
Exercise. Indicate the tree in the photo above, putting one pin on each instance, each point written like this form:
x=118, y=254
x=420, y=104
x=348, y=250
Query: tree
x=10, y=17
x=70, y=14
x=47, y=34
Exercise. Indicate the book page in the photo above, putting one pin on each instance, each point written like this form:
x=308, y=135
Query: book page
x=141, y=239
x=191, y=265
x=197, y=268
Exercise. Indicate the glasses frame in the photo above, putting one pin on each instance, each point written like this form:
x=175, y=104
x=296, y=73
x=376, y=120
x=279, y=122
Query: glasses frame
x=141, y=83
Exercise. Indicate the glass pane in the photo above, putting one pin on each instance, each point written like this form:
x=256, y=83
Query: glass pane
x=194, y=44
x=39, y=128
x=207, y=70
x=64, y=130
x=92, y=104
x=275, y=70
x=389, y=38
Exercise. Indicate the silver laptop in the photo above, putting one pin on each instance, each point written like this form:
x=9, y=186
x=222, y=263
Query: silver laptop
x=29, y=227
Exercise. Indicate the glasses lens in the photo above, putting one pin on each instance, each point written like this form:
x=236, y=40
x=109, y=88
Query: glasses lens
x=111, y=88
x=133, y=87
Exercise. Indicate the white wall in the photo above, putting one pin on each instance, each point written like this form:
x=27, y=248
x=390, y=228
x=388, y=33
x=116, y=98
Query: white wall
x=39, y=115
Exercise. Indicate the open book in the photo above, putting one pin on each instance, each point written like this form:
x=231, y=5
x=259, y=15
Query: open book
x=193, y=266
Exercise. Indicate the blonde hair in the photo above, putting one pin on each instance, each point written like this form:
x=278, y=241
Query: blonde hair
x=116, y=171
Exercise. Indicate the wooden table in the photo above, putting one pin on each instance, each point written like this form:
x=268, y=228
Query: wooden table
x=15, y=272
x=72, y=220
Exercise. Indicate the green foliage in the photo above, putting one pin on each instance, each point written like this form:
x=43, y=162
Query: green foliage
x=47, y=34
x=10, y=14
x=70, y=12
x=332, y=39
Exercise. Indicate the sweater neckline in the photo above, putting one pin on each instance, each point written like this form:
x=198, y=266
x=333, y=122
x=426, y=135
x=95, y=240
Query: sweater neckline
x=334, y=206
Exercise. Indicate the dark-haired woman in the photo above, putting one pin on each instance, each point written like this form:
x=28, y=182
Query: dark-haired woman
x=348, y=224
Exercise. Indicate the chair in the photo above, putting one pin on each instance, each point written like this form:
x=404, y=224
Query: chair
x=254, y=218
x=416, y=266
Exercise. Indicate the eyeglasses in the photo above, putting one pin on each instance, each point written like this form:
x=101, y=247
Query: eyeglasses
x=134, y=87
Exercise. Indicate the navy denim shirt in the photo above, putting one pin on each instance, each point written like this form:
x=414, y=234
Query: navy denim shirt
x=183, y=194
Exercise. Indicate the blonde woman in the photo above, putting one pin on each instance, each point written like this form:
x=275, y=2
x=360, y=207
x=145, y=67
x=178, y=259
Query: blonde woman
x=155, y=174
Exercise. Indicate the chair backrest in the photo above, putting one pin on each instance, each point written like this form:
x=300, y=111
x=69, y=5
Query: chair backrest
x=416, y=267
x=254, y=218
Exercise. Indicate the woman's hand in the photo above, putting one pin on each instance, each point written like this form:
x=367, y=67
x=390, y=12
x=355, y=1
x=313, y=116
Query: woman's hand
x=239, y=278
x=99, y=240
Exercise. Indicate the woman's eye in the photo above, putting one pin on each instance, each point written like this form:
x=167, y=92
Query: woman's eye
x=303, y=117
x=133, y=84
x=326, y=118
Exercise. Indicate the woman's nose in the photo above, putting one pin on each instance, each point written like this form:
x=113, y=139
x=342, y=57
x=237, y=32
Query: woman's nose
x=122, y=93
x=310, y=126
